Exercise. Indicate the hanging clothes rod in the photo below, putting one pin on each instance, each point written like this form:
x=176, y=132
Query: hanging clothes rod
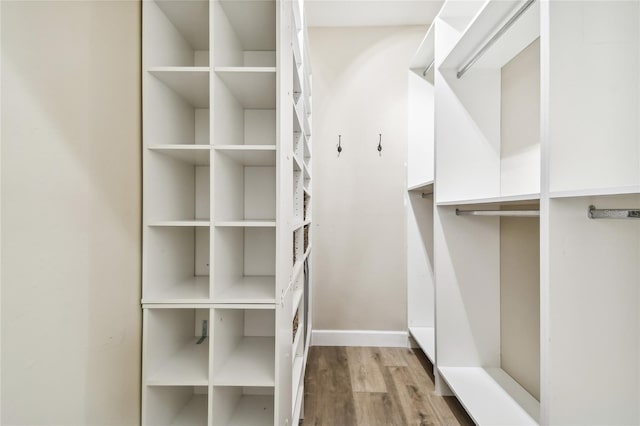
x=495, y=38
x=516, y=213
x=426, y=70
x=613, y=213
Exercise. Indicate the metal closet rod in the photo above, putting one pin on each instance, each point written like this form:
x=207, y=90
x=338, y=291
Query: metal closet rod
x=495, y=38
x=515, y=213
x=426, y=70
x=595, y=213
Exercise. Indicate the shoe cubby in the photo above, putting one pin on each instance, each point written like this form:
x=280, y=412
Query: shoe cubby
x=488, y=338
x=178, y=188
x=176, y=33
x=176, y=346
x=176, y=406
x=244, y=265
x=176, y=264
x=237, y=406
x=490, y=133
x=244, y=347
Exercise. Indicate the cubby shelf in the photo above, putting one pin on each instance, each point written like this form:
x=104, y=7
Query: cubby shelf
x=248, y=289
x=190, y=290
x=426, y=339
x=180, y=223
x=190, y=83
x=253, y=22
x=251, y=363
x=491, y=396
x=246, y=223
x=249, y=155
x=422, y=186
x=253, y=87
x=194, y=413
x=254, y=410
x=190, y=19
x=197, y=155
x=188, y=367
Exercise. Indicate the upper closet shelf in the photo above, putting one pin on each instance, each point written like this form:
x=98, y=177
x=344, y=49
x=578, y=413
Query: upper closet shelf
x=506, y=200
x=249, y=155
x=198, y=155
x=491, y=396
x=422, y=186
x=425, y=55
x=253, y=87
x=594, y=192
x=191, y=83
x=190, y=18
x=489, y=21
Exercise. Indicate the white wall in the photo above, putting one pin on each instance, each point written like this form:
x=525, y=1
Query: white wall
x=70, y=212
x=359, y=246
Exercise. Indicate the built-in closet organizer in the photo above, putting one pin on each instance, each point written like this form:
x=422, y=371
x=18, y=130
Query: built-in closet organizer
x=227, y=212
x=537, y=198
x=420, y=187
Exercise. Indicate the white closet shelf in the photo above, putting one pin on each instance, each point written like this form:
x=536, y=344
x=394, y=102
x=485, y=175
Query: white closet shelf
x=249, y=155
x=253, y=22
x=188, y=367
x=595, y=192
x=190, y=83
x=194, y=412
x=306, y=190
x=491, y=396
x=425, y=54
x=297, y=165
x=191, y=290
x=506, y=200
x=426, y=339
x=248, y=290
x=180, y=223
x=253, y=87
x=297, y=268
x=199, y=155
x=297, y=15
x=254, y=410
x=297, y=51
x=307, y=175
x=246, y=223
x=298, y=124
x=422, y=186
x=486, y=22
x=306, y=54
x=191, y=19
x=252, y=363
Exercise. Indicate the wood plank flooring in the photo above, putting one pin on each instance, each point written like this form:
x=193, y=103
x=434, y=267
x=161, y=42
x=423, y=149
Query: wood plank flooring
x=354, y=386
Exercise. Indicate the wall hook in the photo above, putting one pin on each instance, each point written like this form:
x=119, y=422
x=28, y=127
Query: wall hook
x=380, y=145
x=339, y=145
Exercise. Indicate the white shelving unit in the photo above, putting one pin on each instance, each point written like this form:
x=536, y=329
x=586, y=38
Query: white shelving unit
x=420, y=188
x=227, y=174
x=543, y=119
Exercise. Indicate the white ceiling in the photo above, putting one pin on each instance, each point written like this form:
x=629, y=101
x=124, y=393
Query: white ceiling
x=356, y=13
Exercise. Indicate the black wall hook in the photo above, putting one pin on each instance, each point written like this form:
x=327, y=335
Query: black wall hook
x=380, y=145
x=339, y=145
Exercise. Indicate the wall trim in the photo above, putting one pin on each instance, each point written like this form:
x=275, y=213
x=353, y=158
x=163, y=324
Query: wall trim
x=375, y=338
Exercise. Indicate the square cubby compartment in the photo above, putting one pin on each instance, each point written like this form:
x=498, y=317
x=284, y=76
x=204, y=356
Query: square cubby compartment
x=175, y=405
x=236, y=406
x=176, y=264
x=177, y=187
x=176, y=347
x=245, y=262
x=176, y=33
x=245, y=191
x=244, y=347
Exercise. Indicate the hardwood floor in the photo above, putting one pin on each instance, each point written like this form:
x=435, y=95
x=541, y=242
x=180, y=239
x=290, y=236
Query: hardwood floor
x=354, y=386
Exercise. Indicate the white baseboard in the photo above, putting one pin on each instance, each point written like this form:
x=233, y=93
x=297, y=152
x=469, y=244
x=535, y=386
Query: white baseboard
x=375, y=338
